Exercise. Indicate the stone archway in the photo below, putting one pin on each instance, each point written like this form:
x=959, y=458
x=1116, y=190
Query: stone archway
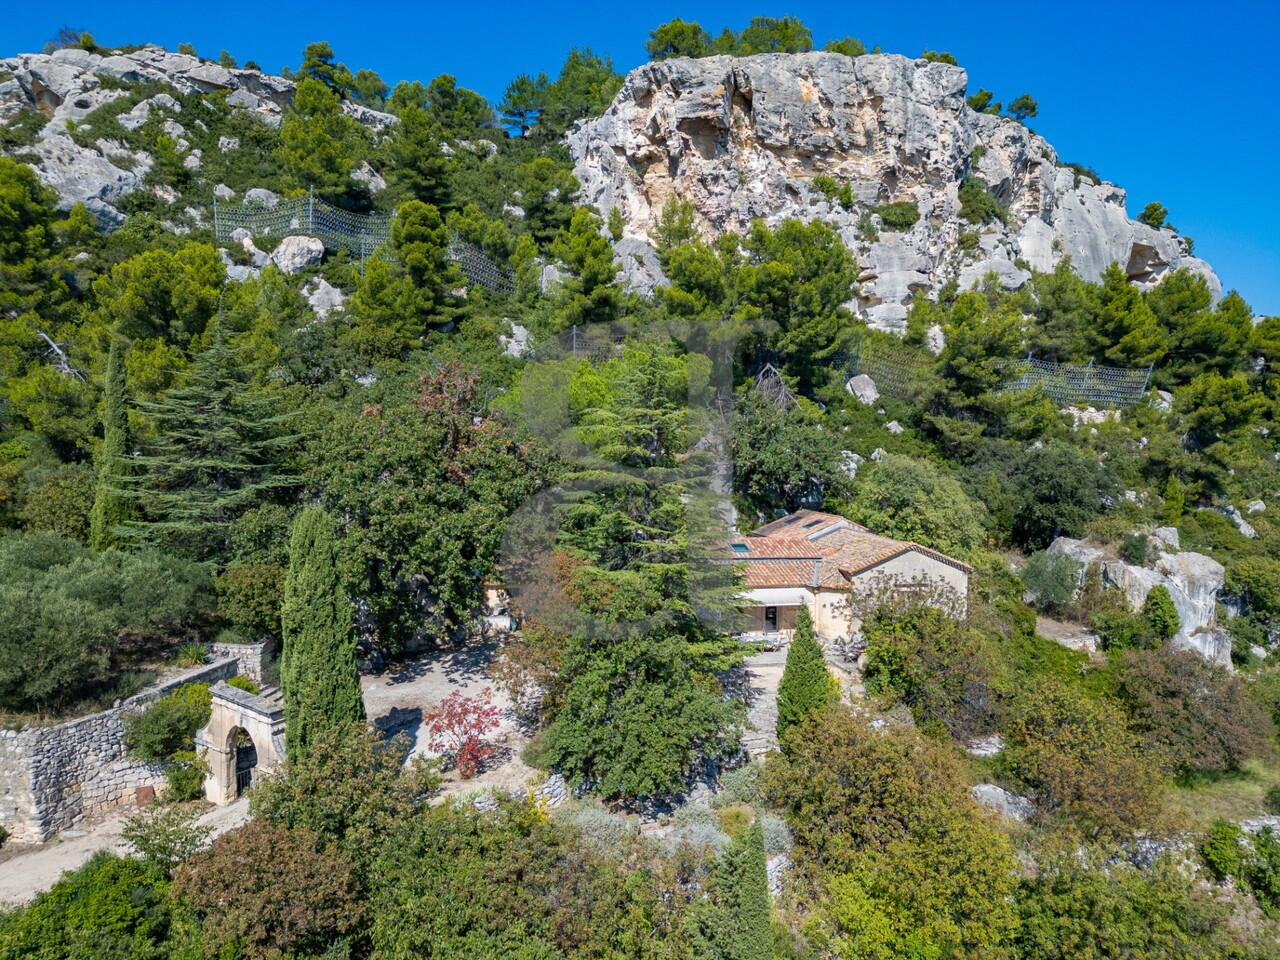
x=239, y=722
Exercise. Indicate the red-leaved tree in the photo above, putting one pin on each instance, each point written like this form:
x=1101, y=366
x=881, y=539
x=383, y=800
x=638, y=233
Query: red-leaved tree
x=459, y=728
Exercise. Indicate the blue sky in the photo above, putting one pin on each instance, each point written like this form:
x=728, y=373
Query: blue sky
x=1177, y=102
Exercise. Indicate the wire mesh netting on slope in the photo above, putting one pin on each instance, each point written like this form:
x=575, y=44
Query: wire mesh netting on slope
x=362, y=235
x=1077, y=384
x=899, y=370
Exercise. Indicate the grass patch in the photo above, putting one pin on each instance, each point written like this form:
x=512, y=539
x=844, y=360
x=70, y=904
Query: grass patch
x=1228, y=796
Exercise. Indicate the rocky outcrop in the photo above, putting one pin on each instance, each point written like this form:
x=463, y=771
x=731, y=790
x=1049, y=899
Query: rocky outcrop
x=295, y=254
x=83, y=175
x=745, y=139
x=1007, y=804
x=1193, y=581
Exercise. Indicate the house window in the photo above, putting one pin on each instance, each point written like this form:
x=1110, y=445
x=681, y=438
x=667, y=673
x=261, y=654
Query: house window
x=740, y=548
x=771, y=619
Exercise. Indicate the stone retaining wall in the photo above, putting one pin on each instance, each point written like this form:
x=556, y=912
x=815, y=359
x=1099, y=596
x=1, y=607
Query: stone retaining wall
x=252, y=656
x=51, y=778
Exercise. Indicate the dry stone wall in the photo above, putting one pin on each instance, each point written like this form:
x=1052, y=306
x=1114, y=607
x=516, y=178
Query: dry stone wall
x=51, y=778
x=252, y=657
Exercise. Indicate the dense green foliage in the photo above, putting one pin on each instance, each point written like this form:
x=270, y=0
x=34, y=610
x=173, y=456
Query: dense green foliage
x=806, y=687
x=242, y=465
x=318, y=672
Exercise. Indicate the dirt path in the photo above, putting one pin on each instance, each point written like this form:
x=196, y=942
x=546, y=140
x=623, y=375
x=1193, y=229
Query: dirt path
x=28, y=870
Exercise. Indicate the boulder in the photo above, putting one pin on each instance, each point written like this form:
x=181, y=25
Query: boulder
x=1193, y=581
x=985, y=746
x=640, y=270
x=297, y=253
x=81, y=175
x=261, y=197
x=849, y=463
x=1235, y=516
x=257, y=258
x=228, y=143
x=518, y=344
x=551, y=277
x=223, y=192
x=323, y=297
x=1256, y=506
x=1078, y=550
x=894, y=427
x=1166, y=537
x=1007, y=804
x=370, y=177
x=864, y=389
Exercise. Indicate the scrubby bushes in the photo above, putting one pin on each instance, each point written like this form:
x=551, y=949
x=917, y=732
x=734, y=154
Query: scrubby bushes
x=1051, y=580
x=169, y=724
x=94, y=612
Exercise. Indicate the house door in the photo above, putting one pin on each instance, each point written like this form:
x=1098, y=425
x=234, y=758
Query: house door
x=770, y=619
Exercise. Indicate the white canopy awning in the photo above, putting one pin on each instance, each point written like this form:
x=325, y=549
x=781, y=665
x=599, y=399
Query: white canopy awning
x=777, y=597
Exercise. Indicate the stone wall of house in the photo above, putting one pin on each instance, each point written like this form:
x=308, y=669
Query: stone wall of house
x=51, y=778
x=253, y=657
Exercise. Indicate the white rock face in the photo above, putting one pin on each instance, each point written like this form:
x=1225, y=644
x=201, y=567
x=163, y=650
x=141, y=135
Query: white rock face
x=1003, y=802
x=1193, y=581
x=1233, y=514
x=323, y=297
x=297, y=253
x=81, y=175
x=640, y=269
x=742, y=138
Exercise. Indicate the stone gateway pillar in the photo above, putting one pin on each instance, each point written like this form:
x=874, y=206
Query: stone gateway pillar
x=244, y=738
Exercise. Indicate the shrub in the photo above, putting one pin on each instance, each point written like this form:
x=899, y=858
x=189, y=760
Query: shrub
x=977, y=205
x=250, y=596
x=191, y=655
x=263, y=891
x=1133, y=549
x=111, y=907
x=184, y=777
x=1201, y=717
x=1160, y=614
x=169, y=724
x=245, y=684
x=167, y=836
x=902, y=215
x=1223, y=849
x=65, y=648
x=1271, y=801
x=944, y=671
x=739, y=785
x=1082, y=760
x=1051, y=579
x=460, y=726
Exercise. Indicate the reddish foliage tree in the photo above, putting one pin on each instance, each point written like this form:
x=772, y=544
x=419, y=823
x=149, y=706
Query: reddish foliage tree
x=459, y=727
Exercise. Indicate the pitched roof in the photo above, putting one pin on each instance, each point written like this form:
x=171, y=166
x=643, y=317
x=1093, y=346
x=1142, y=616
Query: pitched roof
x=813, y=549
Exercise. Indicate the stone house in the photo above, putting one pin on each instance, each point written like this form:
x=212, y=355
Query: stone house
x=825, y=563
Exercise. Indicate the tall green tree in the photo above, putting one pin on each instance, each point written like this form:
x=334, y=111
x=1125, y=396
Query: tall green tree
x=319, y=144
x=677, y=38
x=806, y=687
x=218, y=451
x=734, y=922
x=111, y=508
x=521, y=102
x=318, y=672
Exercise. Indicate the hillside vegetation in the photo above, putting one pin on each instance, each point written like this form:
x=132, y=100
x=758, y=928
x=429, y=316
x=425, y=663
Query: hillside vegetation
x=171, y=404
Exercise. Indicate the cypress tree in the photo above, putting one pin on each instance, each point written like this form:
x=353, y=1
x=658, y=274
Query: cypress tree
x=805, y=687
x=112, y=507
x=748, y=896
x=318, y=671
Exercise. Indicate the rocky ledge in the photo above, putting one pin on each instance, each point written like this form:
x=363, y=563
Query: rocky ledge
x=744, y=138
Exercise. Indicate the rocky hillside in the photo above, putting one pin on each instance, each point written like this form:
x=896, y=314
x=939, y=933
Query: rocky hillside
x=743, y=138
x=66, y=87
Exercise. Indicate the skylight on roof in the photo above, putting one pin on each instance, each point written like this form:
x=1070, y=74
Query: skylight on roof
x=739, y=548
x=812, y=523
x=787, y=521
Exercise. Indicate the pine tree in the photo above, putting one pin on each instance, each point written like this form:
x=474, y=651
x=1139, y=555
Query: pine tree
x=111, y=506
x=805, y=687
x=216, y=454
x=318, y=671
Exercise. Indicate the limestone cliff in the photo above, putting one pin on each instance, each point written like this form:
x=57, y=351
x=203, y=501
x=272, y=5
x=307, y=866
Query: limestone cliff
x=745, y=138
